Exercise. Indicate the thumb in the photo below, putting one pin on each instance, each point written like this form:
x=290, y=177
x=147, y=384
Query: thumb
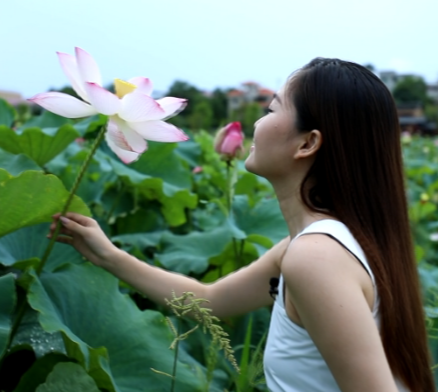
x=72, y=225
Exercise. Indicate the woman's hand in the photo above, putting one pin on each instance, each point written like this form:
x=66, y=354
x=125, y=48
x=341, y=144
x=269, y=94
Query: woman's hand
x=85, y=235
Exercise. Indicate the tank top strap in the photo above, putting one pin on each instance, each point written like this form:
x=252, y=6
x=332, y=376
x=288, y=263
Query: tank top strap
x=340, y=233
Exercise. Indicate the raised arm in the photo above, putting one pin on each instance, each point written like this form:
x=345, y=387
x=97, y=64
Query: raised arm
x=240, y=292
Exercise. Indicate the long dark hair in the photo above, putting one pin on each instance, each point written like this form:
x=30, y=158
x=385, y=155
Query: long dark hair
x=358, y=177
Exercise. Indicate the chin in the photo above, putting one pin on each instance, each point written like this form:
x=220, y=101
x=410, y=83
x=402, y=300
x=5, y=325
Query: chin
x=251, y=167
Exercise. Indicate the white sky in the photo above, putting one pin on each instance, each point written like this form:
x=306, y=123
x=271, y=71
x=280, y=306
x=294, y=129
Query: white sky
x=212, y=43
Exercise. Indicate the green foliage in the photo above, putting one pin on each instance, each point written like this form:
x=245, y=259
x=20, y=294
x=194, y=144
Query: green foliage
x=203, y=111
x=98, y=329
x=7, y=114
x=202, y=116
x=117, y=351
x=41, y=145
x=47, y=197
x=251, y=113
x=68, y=377
x=7, y=303
x=411, y=89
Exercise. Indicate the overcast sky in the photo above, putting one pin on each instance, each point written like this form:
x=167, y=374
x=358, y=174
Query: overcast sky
x=212, y=43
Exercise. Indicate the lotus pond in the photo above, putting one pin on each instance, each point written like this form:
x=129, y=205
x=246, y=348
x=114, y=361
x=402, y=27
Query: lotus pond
x=80, y=328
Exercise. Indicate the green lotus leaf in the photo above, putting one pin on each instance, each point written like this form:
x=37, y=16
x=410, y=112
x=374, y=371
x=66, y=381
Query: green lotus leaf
x=191, y=253
x=7, y=113
x=41, y=145
x=264, y=219
x=189, y=151
x=161, y=161
x=39, y=371
x=106, y=333
x=174, y=200
x=98, y=175
x=7, y=304
x=35, y=197
x=12, y=251
x=68, y=377
x=16, y=164
x=46, y=120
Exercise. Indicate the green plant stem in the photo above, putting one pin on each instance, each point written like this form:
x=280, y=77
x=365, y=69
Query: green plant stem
x=22, y=304
x=175, y=358
x=228, y=190
x=70, y=198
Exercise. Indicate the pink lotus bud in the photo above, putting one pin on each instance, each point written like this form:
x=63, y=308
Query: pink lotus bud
x=229, y=140
x=197, y=169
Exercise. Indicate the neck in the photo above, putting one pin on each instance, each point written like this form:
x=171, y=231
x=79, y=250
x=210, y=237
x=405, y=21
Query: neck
x=296, y=214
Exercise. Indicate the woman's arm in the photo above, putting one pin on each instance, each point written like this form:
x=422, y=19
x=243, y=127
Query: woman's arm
x=326, y=286
x=240, y=292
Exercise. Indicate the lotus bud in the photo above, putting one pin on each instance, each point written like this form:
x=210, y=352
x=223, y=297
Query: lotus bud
x=229, y=141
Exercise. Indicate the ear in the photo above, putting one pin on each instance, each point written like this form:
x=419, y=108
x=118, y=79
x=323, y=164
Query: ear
x=309, y=145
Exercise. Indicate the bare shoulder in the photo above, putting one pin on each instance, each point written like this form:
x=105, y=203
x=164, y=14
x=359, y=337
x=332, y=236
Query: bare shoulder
x=313, y=259
x=331, y=294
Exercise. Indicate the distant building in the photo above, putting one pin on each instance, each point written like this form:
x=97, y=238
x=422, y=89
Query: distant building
x=411, y=115
x=412, y=119
x=432, y=92
x=391, y=78
x=249, y=92
x=12, y=97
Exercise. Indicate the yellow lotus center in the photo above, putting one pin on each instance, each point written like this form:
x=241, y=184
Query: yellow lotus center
x=122, y=88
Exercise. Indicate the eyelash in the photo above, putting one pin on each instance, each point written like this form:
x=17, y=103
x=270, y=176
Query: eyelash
x=270, y=110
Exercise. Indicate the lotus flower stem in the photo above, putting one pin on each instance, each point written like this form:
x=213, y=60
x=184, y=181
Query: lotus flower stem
x=22, y=304
x=70, y=198
x=229, y=187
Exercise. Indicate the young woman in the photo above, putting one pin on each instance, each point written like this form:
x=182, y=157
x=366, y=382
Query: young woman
x=348, y=315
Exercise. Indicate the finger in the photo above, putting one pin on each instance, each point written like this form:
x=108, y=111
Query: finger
x=81, y=219
x=72, y=226
x=65, y=240
x=66, y=231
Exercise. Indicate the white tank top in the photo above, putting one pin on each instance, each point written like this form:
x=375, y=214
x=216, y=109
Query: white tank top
x=292, y=362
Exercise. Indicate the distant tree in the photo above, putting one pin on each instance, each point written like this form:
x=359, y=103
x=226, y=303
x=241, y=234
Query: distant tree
x=201, y=117
x=411, y=89
x=181, y=89
x=370, y=67
x=251, y=113
x=431, y=112
x=66, y=90
x=219, y=106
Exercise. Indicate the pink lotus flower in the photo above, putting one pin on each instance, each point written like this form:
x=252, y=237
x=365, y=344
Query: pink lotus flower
x=197, y=169
x=229, y=140
x=133, y=115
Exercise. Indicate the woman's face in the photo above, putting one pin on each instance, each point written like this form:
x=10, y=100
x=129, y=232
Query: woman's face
x=271, y=154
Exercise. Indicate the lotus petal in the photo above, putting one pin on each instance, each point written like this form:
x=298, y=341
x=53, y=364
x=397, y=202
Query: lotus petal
x=103, y=100
x=70, y=68
x=159, y=131
x=117, y=143
x=144, y=85
x=63, y=105
x=134, y=140
x=88, y=68
x=138, y=107
x=171, y=106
